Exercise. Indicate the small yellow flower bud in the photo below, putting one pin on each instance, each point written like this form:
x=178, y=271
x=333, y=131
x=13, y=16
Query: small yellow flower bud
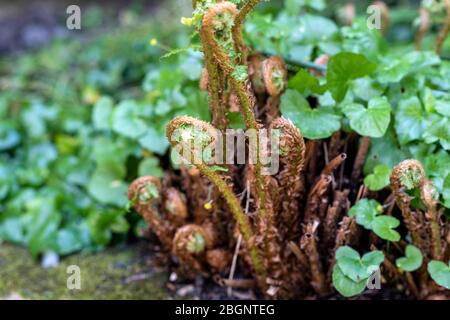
x=208, y=205
x=187, y=21
x=153, y=42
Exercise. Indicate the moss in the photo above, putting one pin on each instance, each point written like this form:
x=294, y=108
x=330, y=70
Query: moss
x=114, y=274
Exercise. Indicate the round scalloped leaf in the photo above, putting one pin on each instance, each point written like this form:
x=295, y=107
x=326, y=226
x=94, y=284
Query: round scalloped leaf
x=383, y=227
x=440, y=273
x=354, y=267
x=346, y=286
x=372, y=121
x=365, y=211
x=411, y=261
x=379, y=179
x=318, y=123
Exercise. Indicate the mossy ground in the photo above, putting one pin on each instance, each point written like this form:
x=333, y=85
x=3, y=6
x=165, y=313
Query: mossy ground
x=123, y=273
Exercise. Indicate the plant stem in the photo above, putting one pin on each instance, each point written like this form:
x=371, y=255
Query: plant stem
x=238, y=213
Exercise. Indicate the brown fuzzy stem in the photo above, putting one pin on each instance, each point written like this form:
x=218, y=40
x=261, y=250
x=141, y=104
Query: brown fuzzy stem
x=424, y=26
x=444, y=30
x=433, y=218
x=315, y=196
x=334, y=164
x=237, y=28
x=309, y=245
x=360, y=159
x=241, y=218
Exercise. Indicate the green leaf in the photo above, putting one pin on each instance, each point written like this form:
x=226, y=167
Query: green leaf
x=443, y=107
x=126, y=120
x=235, y=120
x=393, y=70
x=343, y=68
x=384, y=150
x=9, y=137
x=372, y=121
x=305, y=83
x=383, y=227
x=346, y=286
x=316, y=123
x=439, y=131
x=379, y=179
x=41, y=225
x=440, y=273
x=106, y=185
x=446, y=191
x=68, y=241
x=412, y=260
x=367, y=88
x=154, y=140
x=150, y=167
x=365, y=211
x=409, y=120
x=355, y=267
x=101, y=115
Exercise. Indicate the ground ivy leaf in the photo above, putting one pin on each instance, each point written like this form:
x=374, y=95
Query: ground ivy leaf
x=365, y=211
x=150, y=167
x=346, y=286
x=383, y=227
x=154, y=140
x=438, y=130
x=372, y=121
x=395, y=69
x=366, y=88
x=412, y=260
x=316, y=123
x=379, y=179
x=384, y=150
x=126, y=121
x=440, y=273
x=354, y=267
x=305, y=83
x=101, y=115
x=343, y=68
x=409, y=120
x=443, y=107
x=106, y=186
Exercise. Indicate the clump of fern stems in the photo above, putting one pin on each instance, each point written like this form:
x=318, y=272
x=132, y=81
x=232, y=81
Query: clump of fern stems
x=283, y=229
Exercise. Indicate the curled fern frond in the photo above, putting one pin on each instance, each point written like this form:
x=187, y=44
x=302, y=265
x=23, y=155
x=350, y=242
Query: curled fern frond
x=406, y=176
x=145, y=196
x=290, y=178
x=219, y=259
x=274, y=75
x=189, y=245
x=255, y=73
x=175, y=207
